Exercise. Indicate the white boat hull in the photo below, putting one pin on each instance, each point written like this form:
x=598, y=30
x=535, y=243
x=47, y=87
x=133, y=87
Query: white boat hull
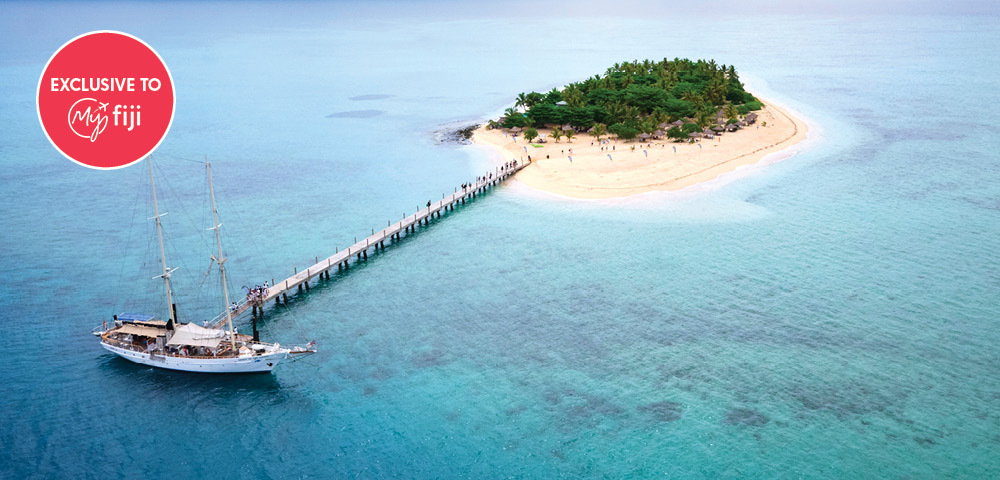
x=243, y=364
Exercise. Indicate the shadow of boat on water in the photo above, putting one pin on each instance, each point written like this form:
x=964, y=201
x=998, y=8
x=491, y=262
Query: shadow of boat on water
x=174, y=381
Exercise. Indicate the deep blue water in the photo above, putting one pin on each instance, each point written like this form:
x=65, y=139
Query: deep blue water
x=832, y=315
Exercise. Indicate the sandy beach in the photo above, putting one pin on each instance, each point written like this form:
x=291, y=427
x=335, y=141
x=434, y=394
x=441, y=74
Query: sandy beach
x=581, y=169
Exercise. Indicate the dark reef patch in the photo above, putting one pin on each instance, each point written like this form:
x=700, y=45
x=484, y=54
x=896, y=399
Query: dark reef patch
x=747, y=417
x=356, y=114
x=458, y=136
x=432, y=358
x=662, y=411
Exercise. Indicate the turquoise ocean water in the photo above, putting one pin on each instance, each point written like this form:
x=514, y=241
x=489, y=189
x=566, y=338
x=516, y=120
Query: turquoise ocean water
x=831, y=315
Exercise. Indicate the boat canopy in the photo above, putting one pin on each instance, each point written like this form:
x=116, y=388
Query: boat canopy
x=132, y=329
x=194, y=335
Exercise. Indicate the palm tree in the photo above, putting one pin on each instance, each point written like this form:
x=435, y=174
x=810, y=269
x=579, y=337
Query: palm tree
x=694, y=98
x=597, y=130
x=705, y=118
x=649, y=125
x=617, y=112
x=556, y=134
x=573, y=96
x=569, y=135
x=522, y=100
x=731, y=111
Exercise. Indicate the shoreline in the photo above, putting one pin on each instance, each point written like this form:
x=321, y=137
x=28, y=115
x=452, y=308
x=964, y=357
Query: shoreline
x=641, y=167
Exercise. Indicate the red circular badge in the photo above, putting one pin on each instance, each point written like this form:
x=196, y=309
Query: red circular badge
x=105, y=99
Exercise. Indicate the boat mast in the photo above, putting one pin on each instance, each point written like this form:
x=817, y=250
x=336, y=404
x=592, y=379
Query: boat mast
x=221, y=261
x=163, y=255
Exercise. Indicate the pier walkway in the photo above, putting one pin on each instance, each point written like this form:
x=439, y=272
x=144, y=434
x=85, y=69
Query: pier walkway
x=359, y=251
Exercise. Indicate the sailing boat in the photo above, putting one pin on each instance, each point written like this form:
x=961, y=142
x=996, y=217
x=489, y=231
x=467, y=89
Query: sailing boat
x=187, y=346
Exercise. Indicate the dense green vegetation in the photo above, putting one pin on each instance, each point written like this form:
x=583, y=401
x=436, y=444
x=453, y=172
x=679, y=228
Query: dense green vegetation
x=637, y=97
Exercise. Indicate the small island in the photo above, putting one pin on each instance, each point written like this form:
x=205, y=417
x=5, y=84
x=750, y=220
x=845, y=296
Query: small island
x=642, y=126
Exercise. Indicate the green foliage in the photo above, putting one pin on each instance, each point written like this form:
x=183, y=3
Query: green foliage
x=645, y=98
x=569, y=135
x=544, y=113
x=573, y=96
x=676, y=133
x=731, y=111
x=598, y=130
x=678, y=109
x=602, y=96
x=553, y=97
x=640, y=94
x=684, y=87
x=578, y=117
x=556, y=134
x=689, y=128
x=530, y=134
x=623, y=132
x=532, y=99
x=517, y=120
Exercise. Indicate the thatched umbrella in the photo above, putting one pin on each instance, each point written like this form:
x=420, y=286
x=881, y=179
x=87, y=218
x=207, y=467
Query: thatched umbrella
x=732, y=127
x=568, y=127
x=664, y=125
x=659, y=133
x=644, y=136
x=515, y=130
x=678, y=123
x=694, y=135
x=718, y=128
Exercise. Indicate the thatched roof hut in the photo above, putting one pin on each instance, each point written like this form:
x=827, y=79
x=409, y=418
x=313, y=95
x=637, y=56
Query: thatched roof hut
x=732, y=127
x=515, y=129
x=644, y=136
x=694, y=135
x=659, y=133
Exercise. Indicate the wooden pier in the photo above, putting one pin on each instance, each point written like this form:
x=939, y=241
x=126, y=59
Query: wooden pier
x=341, y=260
